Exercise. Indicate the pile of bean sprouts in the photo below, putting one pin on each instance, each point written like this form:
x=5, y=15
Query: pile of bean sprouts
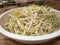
x=32, y=20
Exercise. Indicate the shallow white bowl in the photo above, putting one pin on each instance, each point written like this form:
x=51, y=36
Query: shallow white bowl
x=26, y=39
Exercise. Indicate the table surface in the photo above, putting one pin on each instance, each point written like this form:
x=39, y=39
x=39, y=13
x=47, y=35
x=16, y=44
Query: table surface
x=7, y=41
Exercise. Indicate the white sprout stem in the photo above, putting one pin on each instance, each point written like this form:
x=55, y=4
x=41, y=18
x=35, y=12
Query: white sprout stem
x=11, y=16
x=35, y=15
x=23, y=13
x=39, y=23
x=41, y=30
x=31, y=23
x=23, y=21
x=36, y=32
x=10, y=23
x=24, y=32
x=15, y=30
x=25, y=18
x=32, y=20
x=20, y=24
